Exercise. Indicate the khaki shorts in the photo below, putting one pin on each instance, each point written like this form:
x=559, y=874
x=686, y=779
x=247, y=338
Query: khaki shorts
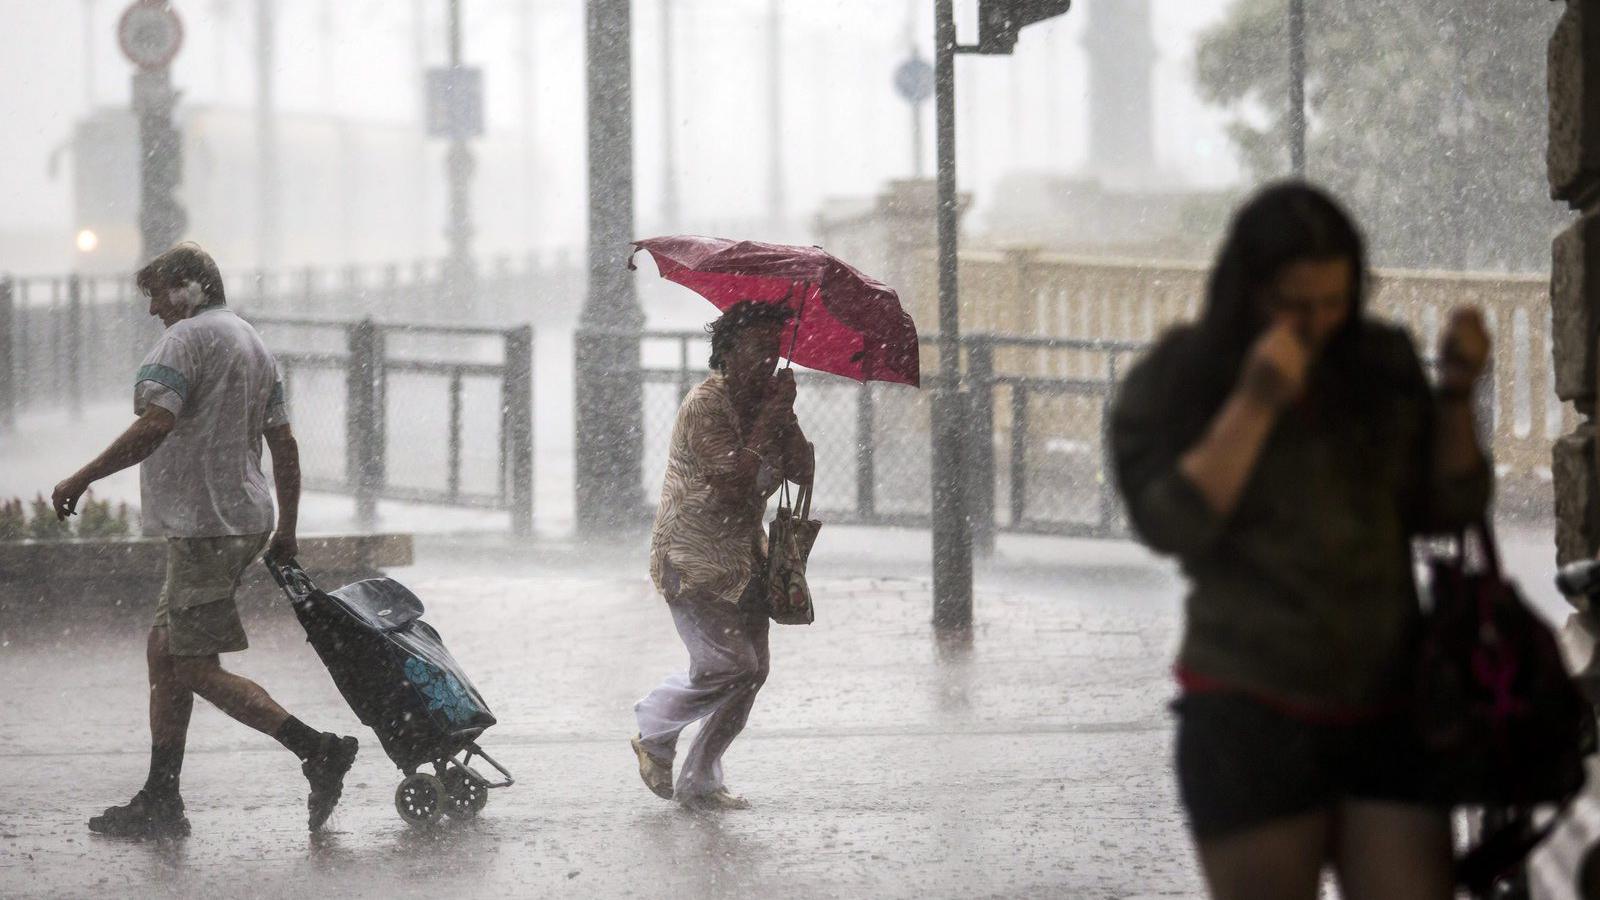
x=197, y=606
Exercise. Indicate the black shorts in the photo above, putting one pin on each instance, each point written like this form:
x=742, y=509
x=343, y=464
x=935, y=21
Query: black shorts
x=1242, y=764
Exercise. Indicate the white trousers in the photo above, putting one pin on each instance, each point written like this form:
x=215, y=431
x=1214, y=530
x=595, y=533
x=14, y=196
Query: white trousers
x=728, y=663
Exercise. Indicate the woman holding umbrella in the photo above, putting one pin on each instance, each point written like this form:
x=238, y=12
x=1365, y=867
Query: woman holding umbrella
x=735, y=441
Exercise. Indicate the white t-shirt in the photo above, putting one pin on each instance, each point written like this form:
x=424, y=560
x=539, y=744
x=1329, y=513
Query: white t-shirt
x=213, y=373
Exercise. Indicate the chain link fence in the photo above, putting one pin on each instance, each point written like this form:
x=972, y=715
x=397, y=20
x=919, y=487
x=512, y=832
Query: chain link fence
x=1036, y=451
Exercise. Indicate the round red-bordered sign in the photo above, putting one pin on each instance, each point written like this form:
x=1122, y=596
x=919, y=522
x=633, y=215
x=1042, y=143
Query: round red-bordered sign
x=150, y=33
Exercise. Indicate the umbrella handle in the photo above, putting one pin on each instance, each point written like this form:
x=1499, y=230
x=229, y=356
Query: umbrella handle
x=795, y=337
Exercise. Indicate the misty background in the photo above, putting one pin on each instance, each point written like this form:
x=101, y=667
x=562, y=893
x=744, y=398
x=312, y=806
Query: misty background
x=347, y=90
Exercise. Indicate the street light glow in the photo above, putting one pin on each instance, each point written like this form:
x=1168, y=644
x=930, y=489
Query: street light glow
x=87, y=241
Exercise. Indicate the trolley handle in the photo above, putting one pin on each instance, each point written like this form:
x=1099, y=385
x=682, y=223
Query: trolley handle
x=289, y=576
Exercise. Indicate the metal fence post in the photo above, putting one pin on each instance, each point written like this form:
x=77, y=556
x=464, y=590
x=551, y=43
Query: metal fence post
x=980, y=450
x=1019, y=452
x=1483, y=402
x=74, y=345
x=355, y=299
x=517, y=426
x=308, y=291
x=137, y=326
x=685, y=379
x=391, y=289
x=1109, y=519
x=8, y=356
x=866, y=455
x=364, y=420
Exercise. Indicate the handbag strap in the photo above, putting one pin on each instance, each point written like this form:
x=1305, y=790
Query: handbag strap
x=1491, y=548
x=1487, y=544
x=1491, y=859
x=804, y=498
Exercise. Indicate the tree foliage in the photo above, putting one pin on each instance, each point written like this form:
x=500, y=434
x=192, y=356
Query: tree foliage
x=1426, y=116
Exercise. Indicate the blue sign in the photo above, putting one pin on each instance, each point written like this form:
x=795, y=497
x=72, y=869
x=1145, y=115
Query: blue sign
x=914, y=80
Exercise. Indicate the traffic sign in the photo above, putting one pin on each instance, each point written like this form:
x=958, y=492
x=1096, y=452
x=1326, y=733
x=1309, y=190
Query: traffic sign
x=913, y=79
x=455, y=102
x=1000, y=20
x=150, y=33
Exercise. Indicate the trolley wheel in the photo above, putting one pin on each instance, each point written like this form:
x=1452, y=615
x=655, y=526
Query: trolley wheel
x=420, y=799
x=465, y=795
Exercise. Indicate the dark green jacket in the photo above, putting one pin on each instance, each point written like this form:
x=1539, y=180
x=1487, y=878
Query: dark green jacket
x=1306, y=591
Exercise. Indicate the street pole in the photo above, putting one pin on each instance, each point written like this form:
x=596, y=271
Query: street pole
x=530, y=168
x=88, y=55
x=670, y=211
x=918, y=169
x=1297, y=87
x=267, y=249
x=918, y=166
x=419, y=57
x=161, y=219
x=609, y=387
x=775, y=199
x=952, y=532
x=459, y=166
x=1460, y=114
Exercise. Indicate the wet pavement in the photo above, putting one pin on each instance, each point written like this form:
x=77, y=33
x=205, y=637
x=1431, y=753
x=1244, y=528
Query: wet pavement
x=1034, y=762
x=879, y=761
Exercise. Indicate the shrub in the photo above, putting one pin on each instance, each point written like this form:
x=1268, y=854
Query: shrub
x=37, y=521
x=13, y=521
x=45, y=526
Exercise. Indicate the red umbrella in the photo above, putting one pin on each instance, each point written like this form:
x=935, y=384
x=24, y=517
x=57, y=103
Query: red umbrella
x=846, y=323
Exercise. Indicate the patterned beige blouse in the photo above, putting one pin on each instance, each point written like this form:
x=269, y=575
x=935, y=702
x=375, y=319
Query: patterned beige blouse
x=702, y=545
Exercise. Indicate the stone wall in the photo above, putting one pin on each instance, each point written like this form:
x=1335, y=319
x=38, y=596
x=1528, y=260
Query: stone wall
x=1574, y=171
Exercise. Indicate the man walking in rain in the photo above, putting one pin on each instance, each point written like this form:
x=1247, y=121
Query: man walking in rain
x=205, y=398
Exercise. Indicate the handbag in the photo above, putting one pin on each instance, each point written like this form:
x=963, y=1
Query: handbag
x=1504, y=724
x=789, y=542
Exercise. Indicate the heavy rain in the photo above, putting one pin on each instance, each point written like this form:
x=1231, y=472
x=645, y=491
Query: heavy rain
x=727, y=448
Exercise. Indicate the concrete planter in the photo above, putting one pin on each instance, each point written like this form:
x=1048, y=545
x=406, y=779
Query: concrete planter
x=57, y=587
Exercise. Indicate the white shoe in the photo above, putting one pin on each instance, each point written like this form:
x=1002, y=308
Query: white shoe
x=656, y=775
x=717, y=799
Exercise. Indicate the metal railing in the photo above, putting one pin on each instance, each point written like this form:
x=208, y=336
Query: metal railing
x=358, y=392
x=1036, y=445
x=70, y=339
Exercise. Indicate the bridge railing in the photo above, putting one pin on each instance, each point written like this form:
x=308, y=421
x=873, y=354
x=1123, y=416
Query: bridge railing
x=1076, y=299
x=70, y=339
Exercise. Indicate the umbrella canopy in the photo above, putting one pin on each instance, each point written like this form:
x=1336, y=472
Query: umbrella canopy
x=847, y=323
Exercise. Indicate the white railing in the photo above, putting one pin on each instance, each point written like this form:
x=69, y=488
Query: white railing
x=1051, y=295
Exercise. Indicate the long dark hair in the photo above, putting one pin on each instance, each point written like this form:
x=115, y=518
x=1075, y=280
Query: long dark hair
x=1284, y=223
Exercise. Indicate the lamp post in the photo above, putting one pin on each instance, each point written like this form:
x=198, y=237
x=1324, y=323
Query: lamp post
x=670, y=211
x=999, y=21
x=151, y=34
x=459, y=166
x=952, y=531
x=267, y=246
x=1297, y=87
x=609, y=388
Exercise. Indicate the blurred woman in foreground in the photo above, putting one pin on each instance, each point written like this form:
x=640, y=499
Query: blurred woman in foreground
x=1286, y=448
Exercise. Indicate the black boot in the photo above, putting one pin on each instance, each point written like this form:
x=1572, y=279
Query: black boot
x=326, y=770
x=143, y=817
